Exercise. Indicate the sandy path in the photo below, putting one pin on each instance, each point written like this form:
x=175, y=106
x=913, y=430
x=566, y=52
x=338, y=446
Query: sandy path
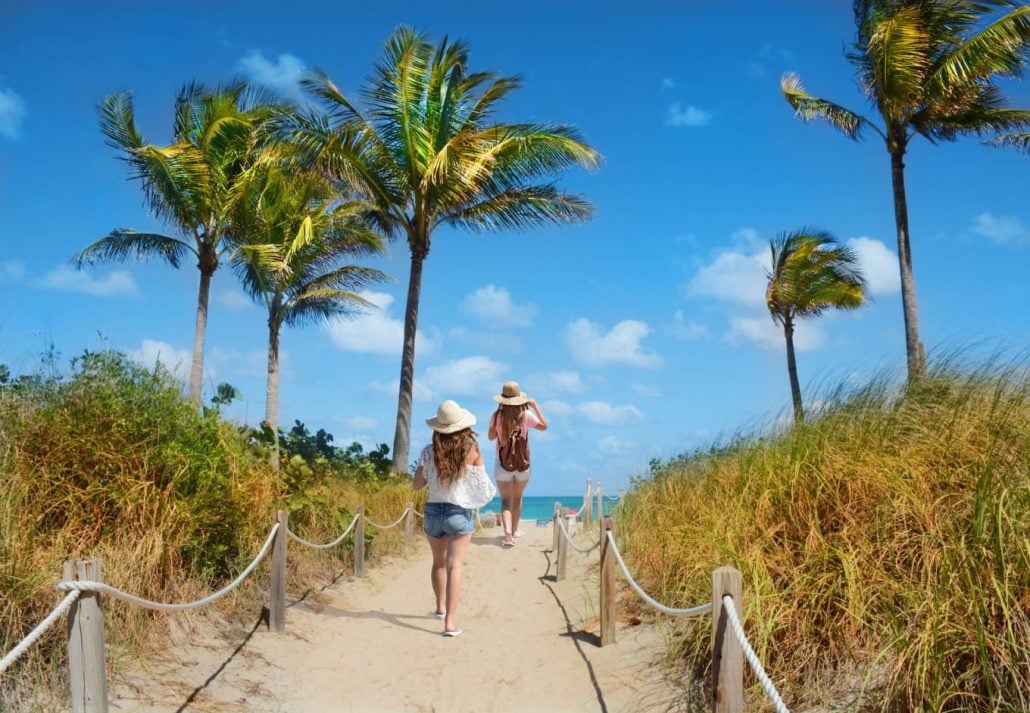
x=529, y=644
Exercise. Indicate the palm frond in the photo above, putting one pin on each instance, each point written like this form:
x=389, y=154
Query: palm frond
x=809, y=108
x=810, y=273
x=1018, y=140
x=999, y=49
x=899, y=56
x=520, y=208
x=124, y=244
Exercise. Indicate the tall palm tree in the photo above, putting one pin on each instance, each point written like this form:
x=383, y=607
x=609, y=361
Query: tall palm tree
x=191, y=184
x=928, y=67
x=428, y=152
x=810, y=273
x=295, y=241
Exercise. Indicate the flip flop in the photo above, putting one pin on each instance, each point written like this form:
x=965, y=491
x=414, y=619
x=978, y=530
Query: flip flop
x=508, y=544
x=440, y=614
x=453, y=633
x=518, y=533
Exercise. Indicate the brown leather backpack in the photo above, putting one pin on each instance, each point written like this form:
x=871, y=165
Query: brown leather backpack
x=514, y=451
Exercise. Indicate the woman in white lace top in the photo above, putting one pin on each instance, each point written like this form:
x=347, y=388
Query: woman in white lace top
x=445, y=466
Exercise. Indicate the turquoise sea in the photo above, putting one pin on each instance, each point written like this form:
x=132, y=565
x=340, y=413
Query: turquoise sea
x=542, y=507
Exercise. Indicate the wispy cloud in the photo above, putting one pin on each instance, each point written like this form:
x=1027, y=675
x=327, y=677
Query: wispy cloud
x=67, y=279
x=879, y=265
x=768, y=59
x=668, y=83
x=375, y=332
x=589, y=345
x=281, y=76
x=1005, y=230
x=474, y=375
x=233, y=300
x=604, y=413
x=769, y=335
x=679, y=115
x=684, y=329
x=12, y=270
x=613, y=445
x=154, y=351
x=493, y=305
x=12, y=112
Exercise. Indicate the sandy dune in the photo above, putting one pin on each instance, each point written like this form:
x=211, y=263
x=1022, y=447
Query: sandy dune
x=529, y=644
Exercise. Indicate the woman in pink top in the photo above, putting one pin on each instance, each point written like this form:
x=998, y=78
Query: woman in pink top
x=516, y=415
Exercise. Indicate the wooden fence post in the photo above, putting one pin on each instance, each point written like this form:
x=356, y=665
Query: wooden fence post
x=554, y=530
x=600, y=510
x=563, y=553
x=409, y=525
x=87, y=671
x=277, y=587
x=727, y=656
x=359, y=544
x=588, y=504
x=607, y=583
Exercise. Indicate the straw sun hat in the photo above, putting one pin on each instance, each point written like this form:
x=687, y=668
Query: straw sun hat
x=511, y=395
x=451, y=418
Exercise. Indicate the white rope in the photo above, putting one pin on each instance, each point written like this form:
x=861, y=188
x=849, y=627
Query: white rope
x=572, y=544
x=34, y=635
x=479, y=523
x=327, y=545
x=756, y=665
x=392, y=524
x=691, y=611
x=84, y=585
x=420, y=515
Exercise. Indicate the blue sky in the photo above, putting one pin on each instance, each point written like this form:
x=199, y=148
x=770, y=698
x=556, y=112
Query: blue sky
x=641, y=333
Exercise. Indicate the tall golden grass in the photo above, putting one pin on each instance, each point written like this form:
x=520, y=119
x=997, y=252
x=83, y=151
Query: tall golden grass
x=883, y=544
x=113, y=462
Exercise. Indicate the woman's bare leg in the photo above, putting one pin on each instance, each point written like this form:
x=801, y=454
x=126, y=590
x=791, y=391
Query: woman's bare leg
x=457, y=547
x=518, y=487
x=438, y=574
x=505, y=487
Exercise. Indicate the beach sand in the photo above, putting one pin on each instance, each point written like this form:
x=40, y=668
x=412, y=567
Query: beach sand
x=372, y=644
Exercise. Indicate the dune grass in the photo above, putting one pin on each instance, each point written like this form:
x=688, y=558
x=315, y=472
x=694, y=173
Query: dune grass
x=883, y=544
x=111, y=461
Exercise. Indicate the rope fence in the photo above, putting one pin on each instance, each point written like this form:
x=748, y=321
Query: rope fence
x=327, y=545
x=752, y=658
x=26, y=643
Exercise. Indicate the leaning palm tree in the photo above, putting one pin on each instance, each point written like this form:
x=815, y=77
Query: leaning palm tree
x=928, y=67
x=191, y=184
x=428, y=152
x=810, y=273
x=295, y=241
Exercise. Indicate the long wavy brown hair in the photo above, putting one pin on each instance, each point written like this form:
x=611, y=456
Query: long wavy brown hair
x=508, y=419
x=450, y=451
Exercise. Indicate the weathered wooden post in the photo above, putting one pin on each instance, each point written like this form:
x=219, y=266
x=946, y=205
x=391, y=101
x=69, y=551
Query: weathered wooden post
x=87, y=672
x=563, y=553
x=359, y=543
x=600, y=510
x=277, y=587
x=409, y=525
x=588, y=516
x=607, y=583
x=555, y=532
x=727, y=656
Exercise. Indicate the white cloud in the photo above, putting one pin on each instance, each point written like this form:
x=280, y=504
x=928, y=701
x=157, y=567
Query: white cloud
x=613, y=445
x=686, y=116
x=879, y=265
x=283, y=76
x=389, y=389
x=68, y=279
x=669, y=83
x=733, y=276
x=568, y=382
x=176, y=359
x=604, y=413
x=649, y=390
x=12, y=111
x=11, y=270
x=361, y=423
x=620, y=345
x=375, y=332
x=465, y=377
x=769, y=335
x=233, y=300
x=1006, y=230
x=493, y=305
x=685, y=330
x=556, y=407
x=251, y=363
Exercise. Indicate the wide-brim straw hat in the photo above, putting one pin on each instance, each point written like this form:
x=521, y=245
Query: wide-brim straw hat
x=511, y=395
x=451, y=418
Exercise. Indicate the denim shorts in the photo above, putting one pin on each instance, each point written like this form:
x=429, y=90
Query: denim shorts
x=447, y=519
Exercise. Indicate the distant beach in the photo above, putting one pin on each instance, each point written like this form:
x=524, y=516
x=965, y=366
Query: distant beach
x=541, y=507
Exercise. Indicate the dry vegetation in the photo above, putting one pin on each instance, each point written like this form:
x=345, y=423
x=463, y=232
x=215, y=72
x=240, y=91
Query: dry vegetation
x=883, y=545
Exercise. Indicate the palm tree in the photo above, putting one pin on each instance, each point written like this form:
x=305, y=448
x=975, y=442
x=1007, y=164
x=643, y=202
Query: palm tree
x=928, y=67
x=810, y=273
x=294, y=241
x=429, y=152
x=190, y=184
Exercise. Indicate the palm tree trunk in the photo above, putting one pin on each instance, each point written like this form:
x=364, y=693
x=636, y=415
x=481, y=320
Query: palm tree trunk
x=792, y=370
x=402, y=434
x=272, y=387
x=913, y=347
x=197, y=366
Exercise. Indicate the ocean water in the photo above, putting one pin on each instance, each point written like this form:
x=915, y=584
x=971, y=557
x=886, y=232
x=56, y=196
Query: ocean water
x=541, y=507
